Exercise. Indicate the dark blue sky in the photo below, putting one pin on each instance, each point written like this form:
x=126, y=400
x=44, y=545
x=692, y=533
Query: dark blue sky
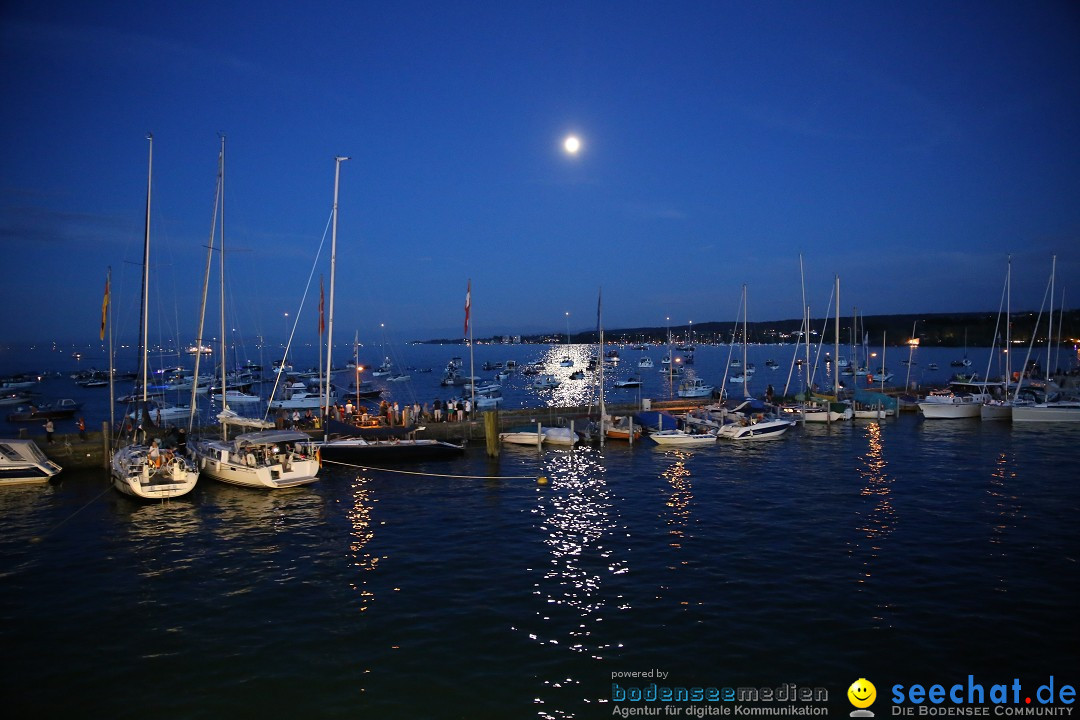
x=908, y=147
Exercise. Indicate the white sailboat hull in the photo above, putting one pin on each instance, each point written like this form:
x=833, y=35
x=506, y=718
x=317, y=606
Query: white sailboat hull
x=1047, y=412
x=134, y=475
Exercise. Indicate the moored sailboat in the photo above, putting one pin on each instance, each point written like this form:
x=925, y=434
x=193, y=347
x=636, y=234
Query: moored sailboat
x=141, y=469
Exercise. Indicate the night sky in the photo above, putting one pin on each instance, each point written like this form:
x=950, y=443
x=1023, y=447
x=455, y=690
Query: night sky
x=908, y=147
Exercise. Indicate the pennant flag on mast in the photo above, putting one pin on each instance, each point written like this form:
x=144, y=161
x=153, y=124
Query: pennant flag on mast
x=105, y=305
x=468, y=303
x=322, y=320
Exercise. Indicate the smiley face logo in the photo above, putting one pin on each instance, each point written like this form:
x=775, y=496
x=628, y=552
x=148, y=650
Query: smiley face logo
x=862, y=693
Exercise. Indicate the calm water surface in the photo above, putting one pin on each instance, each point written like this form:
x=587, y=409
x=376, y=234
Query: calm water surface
x=910, y=551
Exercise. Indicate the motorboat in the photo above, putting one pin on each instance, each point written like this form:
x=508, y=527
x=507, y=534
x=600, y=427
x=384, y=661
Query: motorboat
x=262, y=459
x=59, y=410
x=681, y=437
x=300, y=400
x=694, y=387
x=23, y=463
x=631, y=382
x=361, y=451
x=645, y=362
x=545, y=382
x=963, y=398
x=753, y=426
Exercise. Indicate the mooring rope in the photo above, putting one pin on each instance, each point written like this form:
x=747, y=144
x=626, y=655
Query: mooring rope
x=54, y=528
x=429, y=474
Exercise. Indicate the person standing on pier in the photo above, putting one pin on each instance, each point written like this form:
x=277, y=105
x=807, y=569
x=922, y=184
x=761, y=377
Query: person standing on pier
x=49, y=428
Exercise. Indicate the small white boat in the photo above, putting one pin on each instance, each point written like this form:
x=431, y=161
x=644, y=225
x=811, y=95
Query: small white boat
x=545, y=382
x=631, y=382
x=681, y=437
x=645, y=362
x=694, y=387
x=560, y=436
x=532, y=435
x=23, y=463
x=300, y=400
x=754, y=427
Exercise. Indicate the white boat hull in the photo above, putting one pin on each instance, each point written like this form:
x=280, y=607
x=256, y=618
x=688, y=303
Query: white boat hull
x=23, y=463
x=134, y=475
x=758, y=431
x=220, y=461
x=678, y=437
x=996, y=411
x=950, y=411
x=1047, y=412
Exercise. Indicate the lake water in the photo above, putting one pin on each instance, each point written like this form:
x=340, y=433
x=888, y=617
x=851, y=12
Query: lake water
x=903, y=552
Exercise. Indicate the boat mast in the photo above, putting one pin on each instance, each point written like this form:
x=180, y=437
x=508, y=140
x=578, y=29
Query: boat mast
x=600, y=325
x=112, y=370
x=205, y=290
x=145, y=310
x=221, y=268
x=836, y=367
x=330, y=324
x=745, y=367
x=472, y=363
x=1050, y=326
x=1008, y=327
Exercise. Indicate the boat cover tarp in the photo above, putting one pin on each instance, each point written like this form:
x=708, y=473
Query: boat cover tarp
x=873, y=399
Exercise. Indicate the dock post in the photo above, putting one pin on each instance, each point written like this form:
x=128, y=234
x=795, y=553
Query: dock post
x=539, y=437
x=491, y=432
x=106, y=438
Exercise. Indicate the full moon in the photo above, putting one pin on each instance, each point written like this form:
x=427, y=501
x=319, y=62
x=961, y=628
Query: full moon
x=572, y=144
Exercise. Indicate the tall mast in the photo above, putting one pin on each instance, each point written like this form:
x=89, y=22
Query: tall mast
x=205, y=289
x=145, y=310
x=745, y=367
x=112, y=370
x=836, y=368
x=330, y=324
x=1008, y=327
x=600, y=326
x=1050, y=328
x=221, y=271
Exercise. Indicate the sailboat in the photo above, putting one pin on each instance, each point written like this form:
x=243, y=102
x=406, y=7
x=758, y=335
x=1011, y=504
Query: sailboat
x=1056, y=407
x=995, y=409
x=345, y=443
x=263, y=458
x=567, y=361
x=822, y=409
x=743, y=423
x=962, y=362
x=147, y=470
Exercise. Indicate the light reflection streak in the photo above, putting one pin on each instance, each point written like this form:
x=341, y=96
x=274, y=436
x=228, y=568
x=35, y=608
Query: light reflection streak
x=570, y=393
x=682, y=493
x=880, y=521
x=156, y=532
x=361, y=533
x=575, y=514
x=1006, y=508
